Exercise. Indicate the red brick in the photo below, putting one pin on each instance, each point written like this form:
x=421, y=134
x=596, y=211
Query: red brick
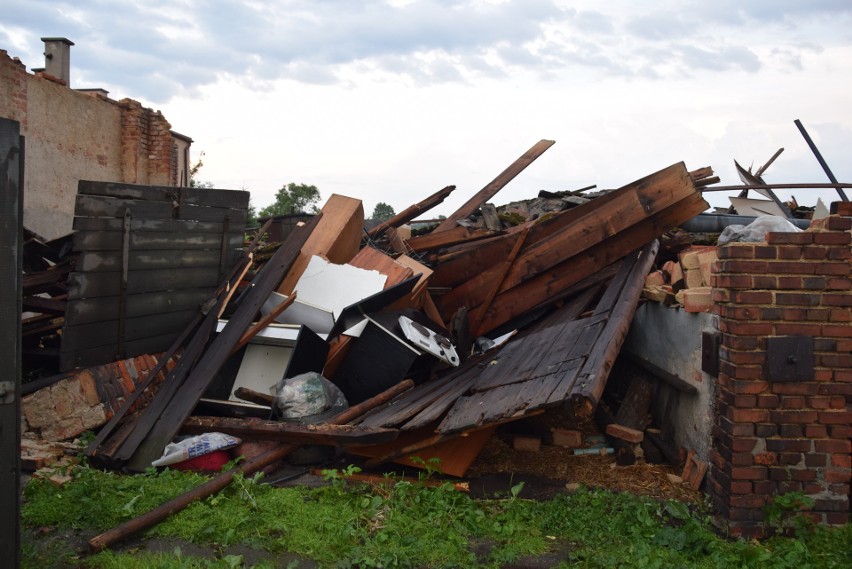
x=796, y=416
x=797, y=299
x=741, y=487
x=791, y=431
x=790, y=283
x=792, y=402
x=526, y=444
x=735, y=429
x=765, y=458
x=841, y=209
x=790, y=459
x=740, y=357
x=815, y=431
x=836, y=299
x=765, y=430
x=767, y=313
x=790, y=251
x=567, y=438
x=740, y=342
x=840, y=431
x=836, y=389
x=837, y=518
x=835, y=417
x=833, y=446
x=765, y=282
x=751, y=297
x=818, y=402
x=839, y=254
x=832, y=238
x=740, y=371
x=767, y=402
x=838, y=283
x=834, y=269
x=733, y=281
x=748, y=501
x=842, y=476
x=816, y=253
x=797, y=329
x=837, y=223
x=796, y=388
x=765, y=252
x=743, y=445
x=800, y=238
x=748, y=473
x=736, y=251
x=789, y=445
x=744, y=266
x=841, y=460
x=746, y=328
x=838, y=331
x=840, y=315
x=814, y=460
x=817, y=314
x=790, y=268
x=764, y=488
x=748, y=415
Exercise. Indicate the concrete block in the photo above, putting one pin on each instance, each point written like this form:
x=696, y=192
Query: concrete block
x=705, y=264
x=674, y=271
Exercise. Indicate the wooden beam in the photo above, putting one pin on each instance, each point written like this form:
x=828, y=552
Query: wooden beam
x=495, y=185
x=337, y=238
x=412, y=211
x=289, y=432
x=452, y=236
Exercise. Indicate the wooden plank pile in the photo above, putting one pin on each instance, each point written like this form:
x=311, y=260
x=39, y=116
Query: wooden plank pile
x=148, y=256
x=489, y=316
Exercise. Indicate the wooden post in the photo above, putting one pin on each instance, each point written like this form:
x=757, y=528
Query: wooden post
x=11, y=236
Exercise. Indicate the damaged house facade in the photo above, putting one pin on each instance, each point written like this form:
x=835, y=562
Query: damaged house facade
x=82, y=134
x=439, y=339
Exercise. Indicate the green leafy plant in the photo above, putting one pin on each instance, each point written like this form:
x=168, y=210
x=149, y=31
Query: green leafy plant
x=784, y=513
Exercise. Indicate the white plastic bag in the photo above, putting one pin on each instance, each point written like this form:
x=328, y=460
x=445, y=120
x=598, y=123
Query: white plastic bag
x=756, y=231
x=307, y=394
x=195, y=446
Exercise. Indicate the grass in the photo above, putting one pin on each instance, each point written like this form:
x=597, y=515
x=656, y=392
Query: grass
x=403, y=525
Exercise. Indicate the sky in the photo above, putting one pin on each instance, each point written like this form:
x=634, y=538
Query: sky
x=390, y=101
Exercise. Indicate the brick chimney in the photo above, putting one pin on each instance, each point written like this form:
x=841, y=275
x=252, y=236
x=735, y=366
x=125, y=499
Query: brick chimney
x=57, y=58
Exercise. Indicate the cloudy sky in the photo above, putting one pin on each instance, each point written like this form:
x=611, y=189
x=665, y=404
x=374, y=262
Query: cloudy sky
x=391, y=101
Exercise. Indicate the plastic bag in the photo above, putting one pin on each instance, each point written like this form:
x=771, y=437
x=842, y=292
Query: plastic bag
x=306, y=395
x=756, y=230
x=195, y=446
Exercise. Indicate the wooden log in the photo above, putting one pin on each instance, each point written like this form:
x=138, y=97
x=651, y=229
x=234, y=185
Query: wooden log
x=289, y=432
x=253, y=396
x=412, y=212
x=152, y=517
x=495, y=185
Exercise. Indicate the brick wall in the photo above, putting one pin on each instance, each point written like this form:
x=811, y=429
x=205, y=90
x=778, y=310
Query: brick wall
x=773, y=436
x=87, y=399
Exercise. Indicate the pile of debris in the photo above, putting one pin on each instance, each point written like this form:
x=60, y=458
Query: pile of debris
x=431, y=338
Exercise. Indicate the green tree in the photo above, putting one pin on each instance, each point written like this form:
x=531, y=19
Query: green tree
x=382, y=212
x=293, y=198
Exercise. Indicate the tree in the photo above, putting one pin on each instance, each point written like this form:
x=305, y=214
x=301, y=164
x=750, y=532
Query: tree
x=382, y=212
x=293, y=198
x=194, y=182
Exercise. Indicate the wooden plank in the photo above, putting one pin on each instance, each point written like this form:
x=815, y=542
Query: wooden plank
x=337, y=237
x=103, y=354
x=454, y=454
x=596, y=370
x=236, y=217
x=453, y=236
x=413, y=211
x=438, y=407
x=198, y=196
x=173, y=410
x=154, y=241
x=100, y=261
x=86, y=310
x=473, y=262
x=490, y=217
x=257, y=429
x=88, y=285
x=547, y=285
x=495, y=185
x=11, y=267
x=84, y=336
x=144, y=225
x=101, y=206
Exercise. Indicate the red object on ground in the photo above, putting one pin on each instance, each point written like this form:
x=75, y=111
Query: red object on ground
x=210, y=462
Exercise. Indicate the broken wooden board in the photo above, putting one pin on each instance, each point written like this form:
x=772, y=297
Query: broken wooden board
x=290, y=432
x=495, y=185
x=450, y=455
x=337, y=238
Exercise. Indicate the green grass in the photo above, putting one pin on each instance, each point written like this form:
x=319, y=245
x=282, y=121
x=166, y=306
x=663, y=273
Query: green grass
x=404, y=525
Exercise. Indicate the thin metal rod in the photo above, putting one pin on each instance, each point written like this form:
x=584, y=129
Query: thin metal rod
x=820, y=159
x=775, y=187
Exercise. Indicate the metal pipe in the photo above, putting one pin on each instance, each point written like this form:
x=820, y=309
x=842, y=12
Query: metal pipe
x=716, y=223
x=820, y=159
